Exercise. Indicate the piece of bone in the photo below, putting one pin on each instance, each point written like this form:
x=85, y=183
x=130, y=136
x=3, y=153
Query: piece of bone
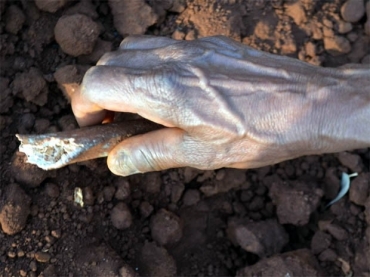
x=55, y=150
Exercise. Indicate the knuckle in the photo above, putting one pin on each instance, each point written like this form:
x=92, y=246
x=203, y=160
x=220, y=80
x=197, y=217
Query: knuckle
x=106, y=58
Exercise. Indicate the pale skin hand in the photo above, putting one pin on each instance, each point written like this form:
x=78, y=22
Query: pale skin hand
x=225, y=105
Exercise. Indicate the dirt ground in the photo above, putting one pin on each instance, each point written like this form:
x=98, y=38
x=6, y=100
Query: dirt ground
x=270, y=221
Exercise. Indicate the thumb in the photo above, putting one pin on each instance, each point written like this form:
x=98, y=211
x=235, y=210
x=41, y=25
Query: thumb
x=154, y=151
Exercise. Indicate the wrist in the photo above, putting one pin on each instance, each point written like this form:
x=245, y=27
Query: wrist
x=342, y=110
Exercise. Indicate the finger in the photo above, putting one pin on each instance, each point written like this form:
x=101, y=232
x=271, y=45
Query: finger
x=145, y=42
x=86, y=112
x=154, y=151
x=121, y=89
x=135, y=59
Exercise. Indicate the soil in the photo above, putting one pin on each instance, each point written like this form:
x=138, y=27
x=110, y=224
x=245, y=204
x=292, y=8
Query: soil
x=179, y=222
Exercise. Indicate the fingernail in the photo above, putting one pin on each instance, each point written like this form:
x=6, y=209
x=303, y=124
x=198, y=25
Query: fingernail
x=121, y=164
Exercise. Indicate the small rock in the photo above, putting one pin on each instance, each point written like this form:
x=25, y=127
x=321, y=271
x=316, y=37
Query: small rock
x=176, y=191
x=127, y=271
x=353, y=10
x=41, y=125
x=234, y=178
x=336, y=231
x=121, y=216
x=31, y=86
x=263, y=238
x=33, y=266
x=109, y=192
x=178, y=35
x=145, y=209
x=297, y=12
x=52, y=190
x=191, y=197
x=76, y=34
x=344, y=27
x=50, y=6
x=42, y=257
x=123, y=189
x=328, y=255
x=295, y=201
x=88, y=196
x=295, y=263
x=56, y=233
x=337, y=45
x=156, y=261
x=351, y=161
x=360, y=188
x=14, y=19
x=151, y=182
x=320, y=241
x=16, y=208
x=166, y=227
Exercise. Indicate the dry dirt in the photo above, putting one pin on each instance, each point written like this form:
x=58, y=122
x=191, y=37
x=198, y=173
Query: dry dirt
x=270, y=221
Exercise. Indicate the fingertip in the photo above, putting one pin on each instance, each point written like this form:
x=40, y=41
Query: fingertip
x=85, y=112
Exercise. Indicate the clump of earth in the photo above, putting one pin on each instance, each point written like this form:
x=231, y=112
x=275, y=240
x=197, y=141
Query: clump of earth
x=181, y=222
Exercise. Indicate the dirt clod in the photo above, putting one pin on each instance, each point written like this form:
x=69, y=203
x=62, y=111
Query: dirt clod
x=156, y=261
x=50, y=6
x=263, y=238
x=42, y=257
x=295, y=201
x=296, y=263
x=132, y=17
x=27, y=174
x=353, y=10
x=166, y=227
x=76, y=34
x=31, y=86
x=14, y=209
x=121, y=216
x=14, y=19
x=360, y=189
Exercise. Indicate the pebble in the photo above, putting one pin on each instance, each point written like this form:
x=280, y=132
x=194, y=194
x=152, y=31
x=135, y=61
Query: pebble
x=42, y=257
x=145, y=209
x=353, y=10
x=351, y=161
x=33, y=266
x=15, y=210
x=328, y=255
x=121, y=216
x=191, y=197
x=344, y=27
x=263, y=238
x=108, y=193
x=337, y=45
x=52, y=190
x=166, y=227
x=56, y=233
x=360, y=189
x=123, y=189
x=320, y=241
x=14, y=18
x=89, y=197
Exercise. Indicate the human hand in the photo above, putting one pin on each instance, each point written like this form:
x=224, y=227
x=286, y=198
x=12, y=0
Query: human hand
x=225, y=104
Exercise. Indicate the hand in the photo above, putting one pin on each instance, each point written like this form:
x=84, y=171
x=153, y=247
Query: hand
x=225, y=104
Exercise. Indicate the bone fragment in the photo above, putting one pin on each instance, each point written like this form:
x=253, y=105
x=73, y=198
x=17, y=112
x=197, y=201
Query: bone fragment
x=55, y=150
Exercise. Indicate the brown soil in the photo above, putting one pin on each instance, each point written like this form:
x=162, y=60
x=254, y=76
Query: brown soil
x=263, y=222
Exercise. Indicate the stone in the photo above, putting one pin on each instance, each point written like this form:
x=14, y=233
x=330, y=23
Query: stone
x=121, y=216
x=353, y=10
x=263, y=238
x=337, y=45
x=360, y=188
x=166, y=227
